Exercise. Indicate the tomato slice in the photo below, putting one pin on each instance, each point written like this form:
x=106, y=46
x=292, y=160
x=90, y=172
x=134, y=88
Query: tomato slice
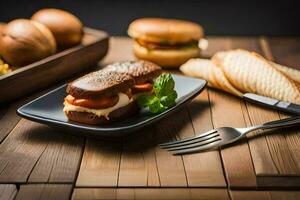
x=99, y=103
x=145, y=87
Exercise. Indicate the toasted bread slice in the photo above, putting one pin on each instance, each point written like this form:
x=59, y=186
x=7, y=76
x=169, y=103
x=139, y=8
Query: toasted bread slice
x=242, y=86
x=206, y=69
x=200, y=68
x=293, y=74
x=223, y=82
x=100, y=83
x=140, y=71
x=250, y=72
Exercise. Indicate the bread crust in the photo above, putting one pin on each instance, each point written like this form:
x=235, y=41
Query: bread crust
x=100, y=83
x=141, y=71
x=92, y=119
x=166, y=58
x=159, y=30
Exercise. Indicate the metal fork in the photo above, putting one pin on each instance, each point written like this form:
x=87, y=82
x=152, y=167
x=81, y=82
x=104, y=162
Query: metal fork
x=221, y=136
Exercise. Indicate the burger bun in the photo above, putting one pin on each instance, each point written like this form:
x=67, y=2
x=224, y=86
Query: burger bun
x=169, y=31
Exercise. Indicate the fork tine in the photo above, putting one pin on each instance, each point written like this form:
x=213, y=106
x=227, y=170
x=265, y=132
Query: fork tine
x=187, y=139
x=195, y=145
x=195, y=140
x=197, y=149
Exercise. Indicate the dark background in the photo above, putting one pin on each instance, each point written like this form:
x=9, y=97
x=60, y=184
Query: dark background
x=230, y=17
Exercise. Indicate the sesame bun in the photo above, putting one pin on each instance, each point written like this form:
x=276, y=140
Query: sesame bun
x=167, y=30
x=66, y=28
x=167, y=58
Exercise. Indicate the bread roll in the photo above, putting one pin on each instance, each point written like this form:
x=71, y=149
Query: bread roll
x=66, y=28
x=25, y=41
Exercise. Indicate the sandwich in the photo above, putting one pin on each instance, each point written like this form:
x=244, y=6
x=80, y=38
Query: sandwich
x=109, y=94
x=166, y=42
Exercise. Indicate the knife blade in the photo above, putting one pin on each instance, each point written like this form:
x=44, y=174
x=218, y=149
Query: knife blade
x=273, y=103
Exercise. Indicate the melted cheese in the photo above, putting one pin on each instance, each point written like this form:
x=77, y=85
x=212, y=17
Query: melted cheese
x=123, y=101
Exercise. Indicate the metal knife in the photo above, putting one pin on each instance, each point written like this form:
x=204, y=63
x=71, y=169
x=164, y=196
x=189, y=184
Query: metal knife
x=273, y=103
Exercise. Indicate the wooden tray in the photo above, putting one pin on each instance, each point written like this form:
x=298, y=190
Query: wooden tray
x=57, y=67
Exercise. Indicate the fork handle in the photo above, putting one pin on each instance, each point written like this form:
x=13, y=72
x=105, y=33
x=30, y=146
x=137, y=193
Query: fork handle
x=281, y=123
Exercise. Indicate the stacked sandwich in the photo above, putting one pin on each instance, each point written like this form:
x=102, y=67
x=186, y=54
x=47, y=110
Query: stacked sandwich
x=109, y=94
x=166, y=42
x=240, y=71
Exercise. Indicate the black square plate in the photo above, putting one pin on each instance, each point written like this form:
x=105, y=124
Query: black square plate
x=48, y=109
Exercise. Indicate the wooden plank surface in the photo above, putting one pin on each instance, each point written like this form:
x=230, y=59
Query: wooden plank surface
x=171, y=168
x=8, y=191
x=147, y=194
x=20, y=151
x=203, y=169
x=227, y=111
x=138, y=162
x=265, y=195
x=281, y=161
x=44, y=191
x=60, y=161
x=26, y=151
x=9, y=119
x=285, y=51
x=100, y=164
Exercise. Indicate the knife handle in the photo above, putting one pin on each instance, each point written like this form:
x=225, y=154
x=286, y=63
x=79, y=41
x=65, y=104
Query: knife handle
x=288, y=107
x=282, y=123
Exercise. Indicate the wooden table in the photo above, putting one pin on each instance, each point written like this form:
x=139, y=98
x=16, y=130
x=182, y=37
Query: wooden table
x=38, y=162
